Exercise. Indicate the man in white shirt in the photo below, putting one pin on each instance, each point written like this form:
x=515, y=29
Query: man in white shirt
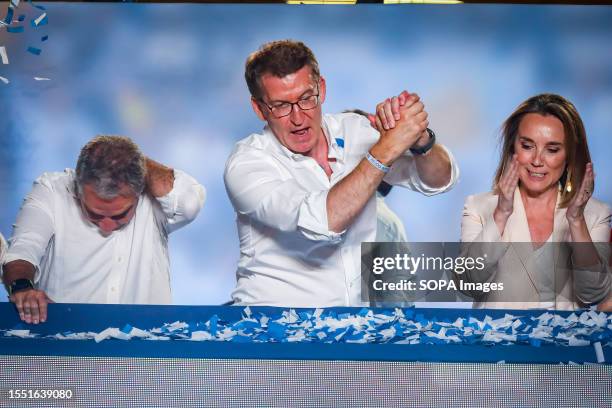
x=98, y=234
x=303, y=190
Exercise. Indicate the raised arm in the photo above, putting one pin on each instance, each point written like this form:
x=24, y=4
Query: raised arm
x=434, y=167
x=160, y=178
x=180, y=195
x=348, y=197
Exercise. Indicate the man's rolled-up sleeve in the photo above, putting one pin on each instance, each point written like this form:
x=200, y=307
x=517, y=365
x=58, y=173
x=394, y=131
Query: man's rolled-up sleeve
x=258, y=188
x=404, y=173
x=33, y=228
x=183, y=203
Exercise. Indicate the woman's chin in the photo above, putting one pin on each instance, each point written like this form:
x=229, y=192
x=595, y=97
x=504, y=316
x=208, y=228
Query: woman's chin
x=538, y=187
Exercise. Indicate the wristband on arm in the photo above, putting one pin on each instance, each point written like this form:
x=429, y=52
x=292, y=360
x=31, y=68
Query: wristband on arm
x=374, y=162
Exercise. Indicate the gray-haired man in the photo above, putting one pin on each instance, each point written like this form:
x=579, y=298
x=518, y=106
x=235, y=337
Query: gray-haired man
x=98, y=234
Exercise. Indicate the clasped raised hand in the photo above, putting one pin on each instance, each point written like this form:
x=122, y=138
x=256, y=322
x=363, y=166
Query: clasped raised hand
x=401, y=122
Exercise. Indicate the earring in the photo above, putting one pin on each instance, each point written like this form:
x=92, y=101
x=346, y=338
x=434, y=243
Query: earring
x=568, y=182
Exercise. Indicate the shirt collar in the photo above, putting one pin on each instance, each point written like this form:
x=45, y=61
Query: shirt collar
x=71, y=187
x=334, y=150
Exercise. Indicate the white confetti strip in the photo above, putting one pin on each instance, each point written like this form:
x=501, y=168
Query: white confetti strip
x=136, y=332
x=599, y=352
x=19, y=333
x=105, y=334
x=177, y=326
x=40, y=18
x=201, y=335
x=3, y=55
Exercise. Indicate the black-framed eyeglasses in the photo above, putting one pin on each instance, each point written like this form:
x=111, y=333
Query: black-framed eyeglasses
x=283, y=109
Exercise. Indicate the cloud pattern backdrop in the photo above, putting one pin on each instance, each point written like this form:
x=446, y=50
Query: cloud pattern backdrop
x=171, y=77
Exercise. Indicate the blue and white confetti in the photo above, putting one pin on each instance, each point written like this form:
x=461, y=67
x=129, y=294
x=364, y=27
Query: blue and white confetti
x=372, y=326
x=17, y=26
x=40, y=20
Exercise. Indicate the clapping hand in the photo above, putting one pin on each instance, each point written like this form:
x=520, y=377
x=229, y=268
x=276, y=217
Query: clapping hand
x=506, y=187
x=505, y=200
x=575, y=209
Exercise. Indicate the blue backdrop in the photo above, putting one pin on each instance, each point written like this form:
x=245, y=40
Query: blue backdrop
x=171, y=77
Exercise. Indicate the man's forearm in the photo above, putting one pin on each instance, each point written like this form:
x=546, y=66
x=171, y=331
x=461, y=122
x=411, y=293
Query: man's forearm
x=18, y=269
x=346, y=199
x=160, y=179
x=434, y=167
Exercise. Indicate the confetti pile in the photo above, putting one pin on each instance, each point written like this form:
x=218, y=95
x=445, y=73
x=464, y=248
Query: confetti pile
x=380, y=326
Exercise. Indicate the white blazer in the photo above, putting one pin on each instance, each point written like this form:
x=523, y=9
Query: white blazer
x=510, y=257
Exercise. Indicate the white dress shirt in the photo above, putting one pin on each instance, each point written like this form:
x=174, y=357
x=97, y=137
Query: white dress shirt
x=75, y=263
x=390, y=227
x=288, y=255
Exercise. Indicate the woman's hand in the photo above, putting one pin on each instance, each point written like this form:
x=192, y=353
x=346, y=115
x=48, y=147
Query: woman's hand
x=575, y=209
x=505, y=199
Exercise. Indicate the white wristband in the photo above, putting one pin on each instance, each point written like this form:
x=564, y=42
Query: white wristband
x=377, y=164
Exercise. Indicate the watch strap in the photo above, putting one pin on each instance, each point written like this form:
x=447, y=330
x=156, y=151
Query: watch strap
x=424, y=149
x=20, y=284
